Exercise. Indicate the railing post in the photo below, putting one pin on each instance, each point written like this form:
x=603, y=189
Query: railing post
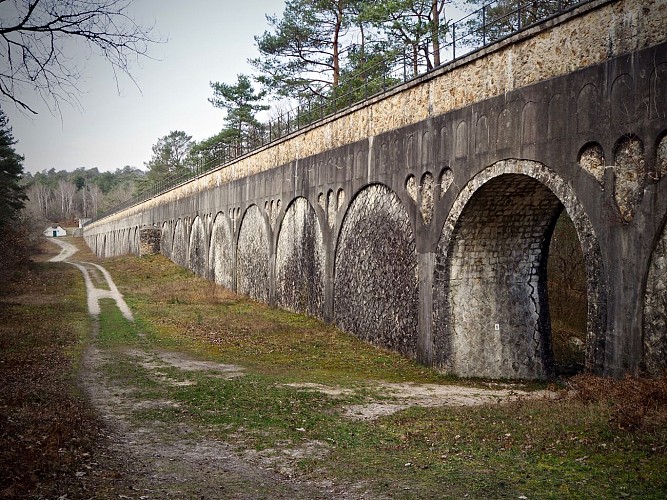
x=519, y=14
x=453, y=41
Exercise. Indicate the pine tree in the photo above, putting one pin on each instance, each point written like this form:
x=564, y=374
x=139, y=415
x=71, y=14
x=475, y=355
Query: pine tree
x=12, y=193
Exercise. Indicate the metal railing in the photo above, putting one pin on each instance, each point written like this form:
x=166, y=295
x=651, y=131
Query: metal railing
x=491, y=23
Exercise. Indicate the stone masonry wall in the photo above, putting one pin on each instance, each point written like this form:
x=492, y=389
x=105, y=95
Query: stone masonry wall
x=300, y=261
x=375, y=286
x=252, y=258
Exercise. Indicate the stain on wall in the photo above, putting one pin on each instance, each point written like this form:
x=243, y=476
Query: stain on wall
x=252, y=256
x=197, y=249
x=222, y=253
x=300, y=261
x=375, y=285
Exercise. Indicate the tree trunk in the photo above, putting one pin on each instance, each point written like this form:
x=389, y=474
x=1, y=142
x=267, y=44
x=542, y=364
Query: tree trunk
x=435, y=28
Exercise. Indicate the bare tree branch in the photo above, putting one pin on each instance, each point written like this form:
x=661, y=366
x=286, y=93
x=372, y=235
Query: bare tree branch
x=36, y=45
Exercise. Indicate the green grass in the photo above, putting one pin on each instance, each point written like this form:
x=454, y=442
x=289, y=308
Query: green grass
x=564, y=448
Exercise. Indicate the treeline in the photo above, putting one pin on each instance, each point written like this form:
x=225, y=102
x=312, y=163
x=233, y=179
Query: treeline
x=84, y=193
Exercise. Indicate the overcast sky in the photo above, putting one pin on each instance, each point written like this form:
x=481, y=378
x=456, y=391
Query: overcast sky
x=208, y=40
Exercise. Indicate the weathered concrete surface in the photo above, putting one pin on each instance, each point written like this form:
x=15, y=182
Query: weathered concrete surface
x=421, y=220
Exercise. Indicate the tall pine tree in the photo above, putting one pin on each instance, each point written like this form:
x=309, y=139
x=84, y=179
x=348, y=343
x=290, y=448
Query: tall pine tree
x=12, y=193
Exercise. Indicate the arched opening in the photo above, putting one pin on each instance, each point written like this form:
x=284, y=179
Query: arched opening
x=568, y=304
x=197, y=259
x=375, y=272
x=300, y=261
x=492, y=300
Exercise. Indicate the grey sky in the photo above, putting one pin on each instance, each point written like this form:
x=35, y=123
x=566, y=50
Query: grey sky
x=207, y=41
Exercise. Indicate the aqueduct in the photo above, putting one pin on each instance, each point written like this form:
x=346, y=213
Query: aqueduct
x=420, y=220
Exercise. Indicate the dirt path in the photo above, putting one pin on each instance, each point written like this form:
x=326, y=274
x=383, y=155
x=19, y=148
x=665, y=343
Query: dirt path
x=157, y=459
x=93, y=274
x=160, y=461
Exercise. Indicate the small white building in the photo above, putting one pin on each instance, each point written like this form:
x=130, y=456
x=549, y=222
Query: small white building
x=55, y=231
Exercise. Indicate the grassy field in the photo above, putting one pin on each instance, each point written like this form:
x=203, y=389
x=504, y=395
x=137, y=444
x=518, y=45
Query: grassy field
x=596, y=438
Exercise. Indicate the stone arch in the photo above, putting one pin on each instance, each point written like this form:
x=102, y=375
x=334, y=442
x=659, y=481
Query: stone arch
x=300, y=260
x=461, y=148
x=654, y=338
x=504, y=124
x=126, y=247
x=490, y=270
x=113, y=241
x=375, y=271
x=252, y=256
x=103, y=246
x=166, y=239
x=136, y=246
x=197, y=249
x=179, y=247
x=221, y=252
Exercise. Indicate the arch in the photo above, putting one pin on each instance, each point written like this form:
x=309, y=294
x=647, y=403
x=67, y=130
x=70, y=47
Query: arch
x=556, y=122
x=136, y=246
x=375, y=271
x=482, y=135
x=197, y=249
x=490, y=270
x=179, y=247
x=505, y=124
x=300, y=260
x=461, y=148
x=166, y=239
x=622, y=101
x=587, y=108
x=252, y=256
x=126, y=247
x=654, y=338
x=530, y=123
x=221, y=256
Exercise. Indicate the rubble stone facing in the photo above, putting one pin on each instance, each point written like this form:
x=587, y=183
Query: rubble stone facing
x=630, y=176
x=592, y=161
x=222, y=253
x=375, y=295
x=252, y=256
x=181, y=243
x=300, y=261
x=167, y=239
x=655, y=311
x=149, y=241
x=197, y=260
x=661, y=160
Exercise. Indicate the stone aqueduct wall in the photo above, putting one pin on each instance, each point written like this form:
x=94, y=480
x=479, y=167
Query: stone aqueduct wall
x=421, y=221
